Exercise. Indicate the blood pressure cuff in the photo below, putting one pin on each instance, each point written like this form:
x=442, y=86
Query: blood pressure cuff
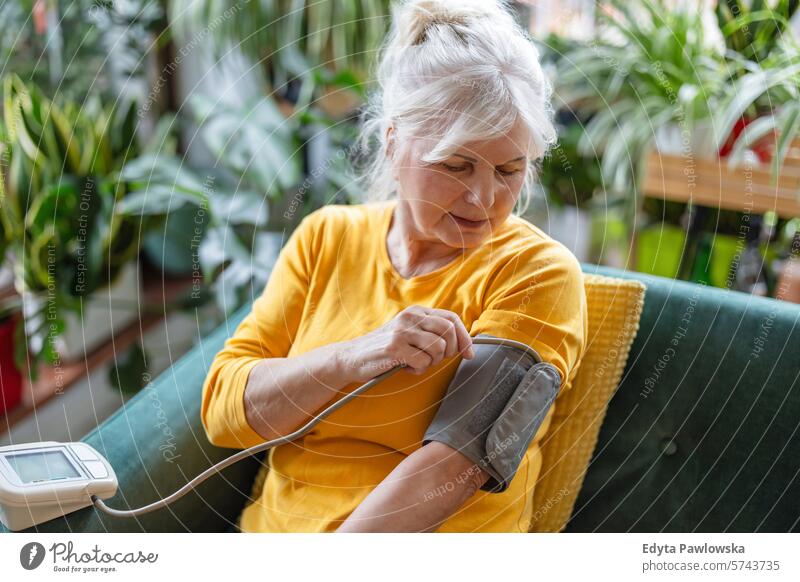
x=493, y=408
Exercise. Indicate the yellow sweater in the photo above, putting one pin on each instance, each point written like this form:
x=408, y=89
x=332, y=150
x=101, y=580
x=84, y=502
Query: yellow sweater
x=333, y=281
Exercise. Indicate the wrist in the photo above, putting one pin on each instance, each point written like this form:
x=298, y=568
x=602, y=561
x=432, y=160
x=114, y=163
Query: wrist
x=336, y=372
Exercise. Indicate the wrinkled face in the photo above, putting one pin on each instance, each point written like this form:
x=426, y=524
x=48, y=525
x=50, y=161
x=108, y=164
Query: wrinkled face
x=462, y=199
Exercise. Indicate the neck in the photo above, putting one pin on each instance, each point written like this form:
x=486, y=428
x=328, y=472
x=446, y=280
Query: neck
x=412, y=253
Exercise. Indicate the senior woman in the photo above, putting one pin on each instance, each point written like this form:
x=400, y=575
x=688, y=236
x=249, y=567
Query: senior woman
x=438, y=258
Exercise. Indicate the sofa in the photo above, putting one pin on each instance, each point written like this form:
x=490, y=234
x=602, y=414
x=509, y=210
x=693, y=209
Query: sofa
x=701, y=435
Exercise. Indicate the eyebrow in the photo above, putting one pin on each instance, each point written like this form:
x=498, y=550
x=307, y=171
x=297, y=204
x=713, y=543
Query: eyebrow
x=473, y=160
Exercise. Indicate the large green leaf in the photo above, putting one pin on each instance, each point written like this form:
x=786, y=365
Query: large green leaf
x=157, y=200
x=240, y=207
x=255, y=142
x=164, y=170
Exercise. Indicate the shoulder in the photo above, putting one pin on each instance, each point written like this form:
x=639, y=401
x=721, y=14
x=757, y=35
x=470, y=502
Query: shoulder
x=528, y=252
x=323, y=232
x=336, y=218
x=347, y=212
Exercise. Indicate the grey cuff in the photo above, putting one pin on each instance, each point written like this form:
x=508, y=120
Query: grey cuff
x=493, y=408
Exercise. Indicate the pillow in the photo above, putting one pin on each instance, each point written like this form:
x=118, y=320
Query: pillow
x=615, y=307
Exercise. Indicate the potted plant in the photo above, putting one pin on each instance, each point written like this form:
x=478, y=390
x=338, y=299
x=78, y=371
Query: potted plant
x=650, y=74
x=74, y=254
x=238, y=210
x=762, y=111
x=648, y=80
x=757, y=35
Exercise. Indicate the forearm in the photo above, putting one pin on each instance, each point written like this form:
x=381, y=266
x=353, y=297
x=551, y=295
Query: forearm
x=424, y=490
x=282, y=393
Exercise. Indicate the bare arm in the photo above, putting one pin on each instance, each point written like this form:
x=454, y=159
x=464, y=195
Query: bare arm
x=425, y=489
x=283, y=393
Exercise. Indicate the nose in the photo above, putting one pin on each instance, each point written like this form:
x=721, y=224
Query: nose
x=481, y=189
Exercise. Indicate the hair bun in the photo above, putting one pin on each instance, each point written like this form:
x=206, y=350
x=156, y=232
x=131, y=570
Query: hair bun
x=415, y=17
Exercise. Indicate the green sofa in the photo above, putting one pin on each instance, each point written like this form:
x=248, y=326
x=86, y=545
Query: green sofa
x=701, y=435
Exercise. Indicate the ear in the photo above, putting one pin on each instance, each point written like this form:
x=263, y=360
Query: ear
x=390, y=141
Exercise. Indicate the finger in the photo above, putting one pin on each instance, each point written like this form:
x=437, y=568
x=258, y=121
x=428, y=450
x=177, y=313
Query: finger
x=431, y=343
x=423, y=318
x=444, y=328
x=416, y=359
x=441, y=321
x=464, y=339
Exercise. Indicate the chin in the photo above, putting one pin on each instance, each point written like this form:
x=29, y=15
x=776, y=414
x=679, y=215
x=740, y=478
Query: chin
x=468, y=240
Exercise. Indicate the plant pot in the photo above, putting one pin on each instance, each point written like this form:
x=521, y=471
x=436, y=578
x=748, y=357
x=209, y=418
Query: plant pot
x=725, y=250
x=105, y=313
x=761, y=148
x=712, y=258
x=10, y=376
x=659, y=249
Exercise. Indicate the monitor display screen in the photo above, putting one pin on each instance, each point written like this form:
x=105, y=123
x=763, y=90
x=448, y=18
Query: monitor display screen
x=39, y=466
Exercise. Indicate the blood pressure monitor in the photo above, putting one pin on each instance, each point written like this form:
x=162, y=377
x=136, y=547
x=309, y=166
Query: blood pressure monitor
x=42, y=481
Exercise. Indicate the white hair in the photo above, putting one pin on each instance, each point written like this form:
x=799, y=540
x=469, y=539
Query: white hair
x=458, y=71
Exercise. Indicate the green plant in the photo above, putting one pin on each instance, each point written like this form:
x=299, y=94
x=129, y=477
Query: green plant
x=292, y=39
x=650, y=68
x=59, y=208
x=257, y=162
x=754, y=29
x=333, y=181
x=79, y=47
x=232, y=252
x=569, y=177
x=769, y=93
x=255, y=143
x=61, y=52
x=230, y=199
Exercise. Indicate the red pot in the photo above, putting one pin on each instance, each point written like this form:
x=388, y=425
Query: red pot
x=10, y=378
x=762, y=148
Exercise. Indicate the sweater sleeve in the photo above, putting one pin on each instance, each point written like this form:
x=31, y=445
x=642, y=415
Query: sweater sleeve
x=268, y=331
x=538, y=298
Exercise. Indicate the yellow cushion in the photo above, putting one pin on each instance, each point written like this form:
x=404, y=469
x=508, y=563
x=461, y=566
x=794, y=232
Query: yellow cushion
x=615, y=306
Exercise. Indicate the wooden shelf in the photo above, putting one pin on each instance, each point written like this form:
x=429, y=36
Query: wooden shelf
x=710, y=182
x=157, y=292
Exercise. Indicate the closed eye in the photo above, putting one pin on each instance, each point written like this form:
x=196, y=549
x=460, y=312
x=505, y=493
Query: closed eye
x=452, y=168
x=501, y=170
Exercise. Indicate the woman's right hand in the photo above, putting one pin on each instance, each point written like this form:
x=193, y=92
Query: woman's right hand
x=419, y=337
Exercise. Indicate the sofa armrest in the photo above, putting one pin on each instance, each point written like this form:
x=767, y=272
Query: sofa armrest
x=156, y=443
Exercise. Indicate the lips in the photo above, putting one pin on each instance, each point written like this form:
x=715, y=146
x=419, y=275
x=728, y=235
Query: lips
x=467, y=222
